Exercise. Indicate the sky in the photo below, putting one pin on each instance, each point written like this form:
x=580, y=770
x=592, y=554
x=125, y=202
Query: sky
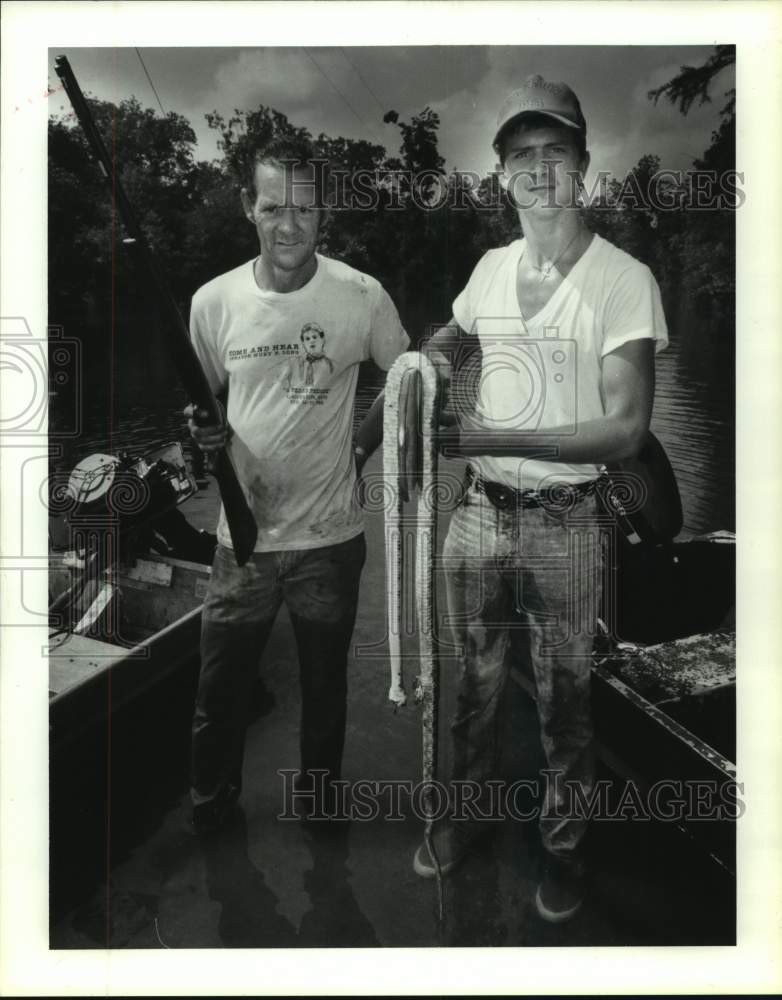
x=345, y=91
x=462, y=84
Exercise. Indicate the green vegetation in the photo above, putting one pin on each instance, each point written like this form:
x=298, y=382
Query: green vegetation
x=192, y=214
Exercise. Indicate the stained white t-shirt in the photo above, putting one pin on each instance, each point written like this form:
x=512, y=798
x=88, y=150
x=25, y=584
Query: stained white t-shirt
x=291, y=362
x=545, y=372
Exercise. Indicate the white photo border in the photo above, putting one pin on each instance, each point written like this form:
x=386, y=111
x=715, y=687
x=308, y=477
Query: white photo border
x=27, y=967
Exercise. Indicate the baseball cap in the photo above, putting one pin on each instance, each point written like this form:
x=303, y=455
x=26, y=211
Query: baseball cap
x=538, y=96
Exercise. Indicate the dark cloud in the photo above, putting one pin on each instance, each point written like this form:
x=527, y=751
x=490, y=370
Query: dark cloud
x=348, y=92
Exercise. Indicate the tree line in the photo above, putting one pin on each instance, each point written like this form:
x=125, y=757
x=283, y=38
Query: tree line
x=191, y=212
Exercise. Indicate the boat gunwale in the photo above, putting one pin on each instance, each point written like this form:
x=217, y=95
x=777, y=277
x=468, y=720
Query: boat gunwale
x=130, y=652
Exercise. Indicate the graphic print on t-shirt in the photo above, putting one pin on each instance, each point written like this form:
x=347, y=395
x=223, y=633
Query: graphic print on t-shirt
x=302, y=369
x=310, y=367
x=291, y=362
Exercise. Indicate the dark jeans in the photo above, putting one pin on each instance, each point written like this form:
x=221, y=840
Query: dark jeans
x=320, y=589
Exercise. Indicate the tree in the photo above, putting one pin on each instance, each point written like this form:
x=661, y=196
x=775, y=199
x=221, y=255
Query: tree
x=154, y=155
x=692, y=82
x=245, y=132
x=702, y=245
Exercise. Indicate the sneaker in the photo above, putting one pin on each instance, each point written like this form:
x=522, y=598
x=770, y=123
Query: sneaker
x=561, y=892
x=451, y=845
x=209, y=817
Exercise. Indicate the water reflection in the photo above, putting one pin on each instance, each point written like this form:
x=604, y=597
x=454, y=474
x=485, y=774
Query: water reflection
x=335, y=919
x=248, y=914
x=132, y=402
x=694, y=417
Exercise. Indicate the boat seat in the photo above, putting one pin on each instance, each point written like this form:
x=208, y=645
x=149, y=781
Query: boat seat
x=654, y=594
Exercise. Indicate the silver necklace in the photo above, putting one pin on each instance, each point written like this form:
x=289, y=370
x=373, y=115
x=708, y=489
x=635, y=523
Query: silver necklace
x=549, y=265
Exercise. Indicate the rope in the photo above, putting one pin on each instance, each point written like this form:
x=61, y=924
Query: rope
x=411, y=372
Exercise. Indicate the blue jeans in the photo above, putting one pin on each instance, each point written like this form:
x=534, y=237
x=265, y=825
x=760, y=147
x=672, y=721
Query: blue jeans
x=542, y=572
x=320, y=589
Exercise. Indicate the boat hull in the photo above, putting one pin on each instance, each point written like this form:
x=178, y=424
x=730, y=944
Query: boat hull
x=90, y=678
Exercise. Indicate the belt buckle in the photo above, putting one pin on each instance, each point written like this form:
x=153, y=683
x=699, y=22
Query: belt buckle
x=504, y=498
x=500, y=497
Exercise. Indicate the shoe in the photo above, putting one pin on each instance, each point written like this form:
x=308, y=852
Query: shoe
x=209, y=817
x=451, y=844
x=561, y=892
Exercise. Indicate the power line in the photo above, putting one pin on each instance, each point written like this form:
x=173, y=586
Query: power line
x=360, y=75
x=152, y=85
x=347, y=102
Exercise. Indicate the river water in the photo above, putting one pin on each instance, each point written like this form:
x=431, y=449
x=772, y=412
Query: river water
x=131, y=400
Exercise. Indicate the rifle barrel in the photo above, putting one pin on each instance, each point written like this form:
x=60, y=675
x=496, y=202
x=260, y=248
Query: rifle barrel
x=241, y=523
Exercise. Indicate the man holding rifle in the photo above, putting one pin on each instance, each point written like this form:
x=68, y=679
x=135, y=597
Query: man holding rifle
x=568, y=326
x=289, y=431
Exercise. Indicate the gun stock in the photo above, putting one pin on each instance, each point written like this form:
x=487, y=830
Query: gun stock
x=241, y=523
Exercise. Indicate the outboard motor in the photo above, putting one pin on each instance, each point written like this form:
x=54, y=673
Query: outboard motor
x=127, y=492
x=117, y=509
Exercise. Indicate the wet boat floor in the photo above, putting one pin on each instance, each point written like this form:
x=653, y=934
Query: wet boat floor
x=269, y=882
x=127, y=871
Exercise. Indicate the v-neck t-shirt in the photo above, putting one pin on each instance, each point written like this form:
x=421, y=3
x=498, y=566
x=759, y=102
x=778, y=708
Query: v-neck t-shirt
x=545, y=372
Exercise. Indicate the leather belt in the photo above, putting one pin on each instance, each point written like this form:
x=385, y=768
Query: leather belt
x=558, y=498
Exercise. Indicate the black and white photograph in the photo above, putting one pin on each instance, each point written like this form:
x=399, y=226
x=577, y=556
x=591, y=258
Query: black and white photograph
x=390, y=443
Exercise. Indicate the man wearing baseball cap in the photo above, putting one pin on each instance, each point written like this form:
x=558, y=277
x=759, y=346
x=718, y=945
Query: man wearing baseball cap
x=568, y=327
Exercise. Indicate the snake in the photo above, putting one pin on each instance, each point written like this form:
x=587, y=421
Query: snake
x=413, y=372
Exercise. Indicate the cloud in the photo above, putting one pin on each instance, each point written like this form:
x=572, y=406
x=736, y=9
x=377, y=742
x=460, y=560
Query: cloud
x=346, y=93
x=661, y=128
x=612, y=83
x=314, y=88
x=284, y=78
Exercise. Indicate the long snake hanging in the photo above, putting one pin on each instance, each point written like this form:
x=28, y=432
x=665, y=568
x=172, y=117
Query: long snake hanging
x=413, y=372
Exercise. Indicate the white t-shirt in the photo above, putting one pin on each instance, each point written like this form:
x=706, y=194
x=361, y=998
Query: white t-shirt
x=545, y=372
x=291, y=361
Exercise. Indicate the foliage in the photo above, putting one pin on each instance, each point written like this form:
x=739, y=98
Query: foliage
x=692, y=82
x=87, y=264
x=244, y=132
x=420, y=242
